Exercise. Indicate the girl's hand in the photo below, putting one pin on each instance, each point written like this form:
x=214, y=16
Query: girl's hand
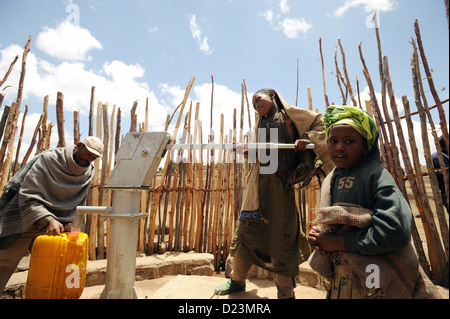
x=325, y=242
x=241, y=150
x=300, y=145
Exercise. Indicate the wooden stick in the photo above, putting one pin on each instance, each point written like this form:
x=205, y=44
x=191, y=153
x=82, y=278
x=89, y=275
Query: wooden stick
x=103, y=181
x=443, y=118
x=15, y=115
x=44, y=142
x=118, y=128
x=209, y=173
x=419, y=92
x=339, y=78
x=9, y=142
x=189, y=184
x=60, y=119
x=93, y=227
x=436, y=253
x=146, y=116
x=5, y=77
x=164, y=173
x=424, y=112
x=133, y=127
x=396, y=170
x=200, y=216
x=228, y=204
x=433, y=181
x=215, y=232
x=344, y=66
x=91, y=112
x=196, y=176
x=310, y=104
x=248, y=105
x=4, y=119
x=378, y=117
x=22, y=73
x=19, y=143
x=76, y=126
x=9, y=127
x=327, y=103
x=33, y=140
x=111, y=142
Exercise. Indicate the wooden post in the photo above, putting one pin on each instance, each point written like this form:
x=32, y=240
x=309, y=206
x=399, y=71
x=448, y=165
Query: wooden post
x=118, y=128
x=133, y=117
x=102, y=200
x=4, y=119
x=33, y=141
x=327, y=103
x=44, y=142
x=95, y=186
x=209, y=173
x=8, y=142
x=189, y=183
x=19, y=143
x=432, y=175
x=339, y=78
x=344, y=66
x=166, y=167
x=22, y=74
x=76, y=126
x=436, y=253
x=200, y=217
x=216, y=231
x=10, y=124
x=91, y=112
x=5, y=77
x=422, y=109
x=60, y=119
x=433, y=91
x=386, y=147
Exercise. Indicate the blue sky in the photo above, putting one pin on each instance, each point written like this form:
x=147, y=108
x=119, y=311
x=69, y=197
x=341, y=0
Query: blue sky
x=134, y=50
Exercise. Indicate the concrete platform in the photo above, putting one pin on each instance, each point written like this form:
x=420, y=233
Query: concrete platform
x=185, y=276
x=179, y=276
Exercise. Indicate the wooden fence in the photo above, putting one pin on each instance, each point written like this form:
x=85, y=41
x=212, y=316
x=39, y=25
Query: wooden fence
x=193, y=205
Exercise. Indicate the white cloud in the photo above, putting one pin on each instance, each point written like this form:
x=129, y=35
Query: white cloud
x=284, y=6
x=67, y=42
x=225, y=100
x=369, y=5
x=268, y=15
x=117, y=83
x=197, y=34
x=292, y=27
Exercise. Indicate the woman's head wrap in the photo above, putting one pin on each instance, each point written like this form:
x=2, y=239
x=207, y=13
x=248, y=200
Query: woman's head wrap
x=357, y=118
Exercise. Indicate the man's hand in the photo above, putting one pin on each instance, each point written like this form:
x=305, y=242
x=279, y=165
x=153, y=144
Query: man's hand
x=54, y=228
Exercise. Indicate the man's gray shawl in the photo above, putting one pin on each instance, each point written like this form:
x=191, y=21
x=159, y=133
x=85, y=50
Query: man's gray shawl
x=54, y=186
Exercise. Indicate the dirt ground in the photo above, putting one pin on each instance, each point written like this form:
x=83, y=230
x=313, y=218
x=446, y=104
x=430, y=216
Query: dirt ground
x=202, y=287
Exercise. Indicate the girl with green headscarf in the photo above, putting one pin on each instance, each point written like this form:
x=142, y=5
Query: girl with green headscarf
x=361, y=240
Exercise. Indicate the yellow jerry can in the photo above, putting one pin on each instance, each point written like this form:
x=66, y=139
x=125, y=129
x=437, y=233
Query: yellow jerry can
x=58, y=266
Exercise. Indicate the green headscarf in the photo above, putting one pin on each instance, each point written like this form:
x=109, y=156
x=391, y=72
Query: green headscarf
x=357, y=118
